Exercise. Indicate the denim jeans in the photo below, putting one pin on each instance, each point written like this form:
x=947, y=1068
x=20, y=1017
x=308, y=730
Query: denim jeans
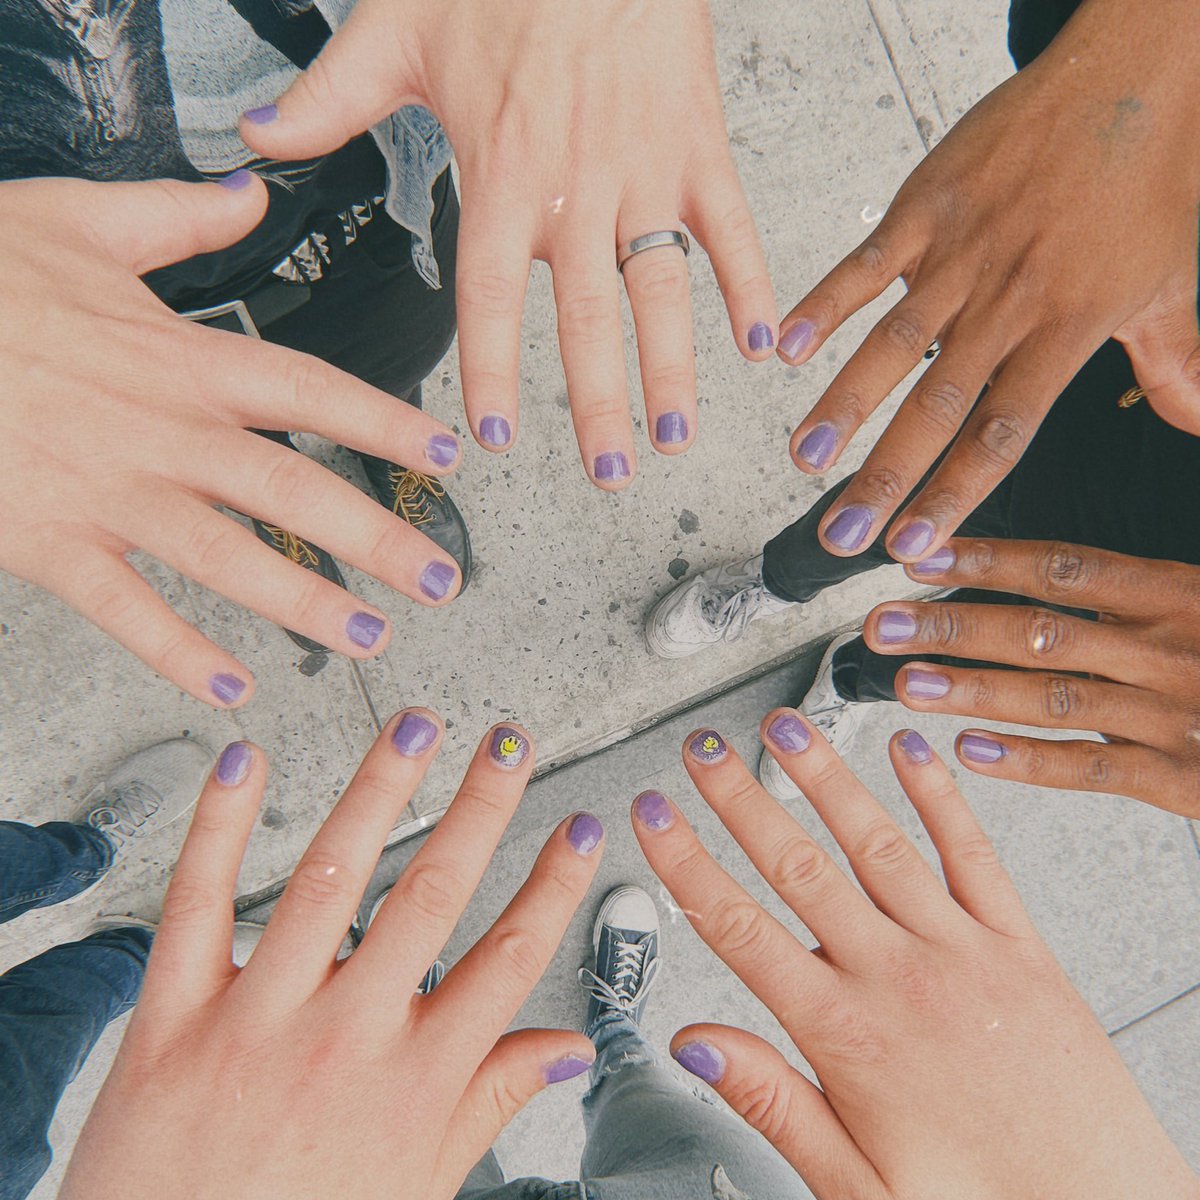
x=650, y=1137
x=54, y=1007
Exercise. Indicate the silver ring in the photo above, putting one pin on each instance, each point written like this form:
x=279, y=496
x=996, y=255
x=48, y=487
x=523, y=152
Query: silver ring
x=649, y=241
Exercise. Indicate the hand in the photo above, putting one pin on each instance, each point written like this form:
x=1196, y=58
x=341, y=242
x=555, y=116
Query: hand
x=1026, y=243
x=953, y=1055
x=576, y=129
x=1140, y=662
x=122, y=423
x=302, y=1076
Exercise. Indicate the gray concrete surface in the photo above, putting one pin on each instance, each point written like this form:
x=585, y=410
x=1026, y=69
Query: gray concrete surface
x=829, y=107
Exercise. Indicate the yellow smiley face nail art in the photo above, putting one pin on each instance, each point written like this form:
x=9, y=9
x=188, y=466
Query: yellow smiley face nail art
x=509, y=747
x=708, y=746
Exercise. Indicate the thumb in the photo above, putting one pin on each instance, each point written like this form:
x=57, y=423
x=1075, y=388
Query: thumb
x=759, y=1084
x=1163, y=343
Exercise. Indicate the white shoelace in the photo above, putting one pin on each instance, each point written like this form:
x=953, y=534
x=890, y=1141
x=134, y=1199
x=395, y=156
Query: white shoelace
x=128, y=808
x=632, y=977
x=737, y=612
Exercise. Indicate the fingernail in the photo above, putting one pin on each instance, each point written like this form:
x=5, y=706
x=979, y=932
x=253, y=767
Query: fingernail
x=701, y=1059
x=760, y=336
x=670, y=429
x=414, y=735
x=564, y=1068
x=436, y=580
x=979, y=749
x=363, y=629
x=236, y=181
x=510, y=748
x=496, y=431
x=915, y=747
x=585, y=833
x=442, y=449
x=848, y=530
x=234, y=763
x=653, y=811
x=818, y=445
x=797, y=339
x=942, y=559
x=914, y=539
x=894, y=626
x=227, y=688
x=708, y=746
x=789, y=734
x=611, y=467
x=262, y=116
x=925, y=685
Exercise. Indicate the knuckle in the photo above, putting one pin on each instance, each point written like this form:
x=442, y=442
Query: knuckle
x=211, y=547
x=308, y=605
x=800, y=866
x=670, y=379
x=189, y=902
x=1049, y=634
x=1002, y=437
x=1065, y=569
x=882, y=485
x=941, y=404
x=904, y=332
x=1095, y=768
x=873, y=260
x=736, y=925
x=586, y=316
x=767, y=1107
x=319, y=881
x=517, y=954
x=946, y=627
x=845, y=1034
x=918, y=984
x=110, y=604
x=1061, y=697
x=304, y=382
x=287, y=485
x=882, y=848
x=975, y=850
x=662, y=282
x=982, y=691
x=486, y=291
x=431, y=890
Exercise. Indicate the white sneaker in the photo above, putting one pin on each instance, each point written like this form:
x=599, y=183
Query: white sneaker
x=246, y=934
x=717, y=605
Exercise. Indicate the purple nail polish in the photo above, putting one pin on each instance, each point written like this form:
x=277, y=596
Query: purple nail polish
x=849, y=529
x=976, y=748
x=760, y=336
x=363, y=629
x=442, y=449
x=702, y=1060
x=894, y=626
x=414, y=735
x=436, y=580
x=789, y=734
x=496, y=431
x=585, y=833
x=611, y=467
x=234, y=763
x=797, y=339
x=509, y=747
x=236, y=181
x=818, y=445
x=262, y=116
x=915, y=747
x=564, y=1068
x=708, y=746
x=942, y=559
x=925, y=685
x=227, y=688
x=671, y=428
x=914, y=539
x=653, y=811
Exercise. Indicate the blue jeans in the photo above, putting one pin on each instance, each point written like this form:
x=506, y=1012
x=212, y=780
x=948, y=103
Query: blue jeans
x=55, y=1006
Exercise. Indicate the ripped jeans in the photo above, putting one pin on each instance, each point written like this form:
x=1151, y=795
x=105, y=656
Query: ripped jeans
x=650, y=1137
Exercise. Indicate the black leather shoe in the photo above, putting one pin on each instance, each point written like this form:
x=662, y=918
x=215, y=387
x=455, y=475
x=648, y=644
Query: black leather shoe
x=421, y=500
x=311, y=558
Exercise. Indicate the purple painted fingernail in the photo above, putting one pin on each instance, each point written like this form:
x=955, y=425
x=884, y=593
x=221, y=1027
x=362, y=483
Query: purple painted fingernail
x=914, y=539
x=818, y=445
x=915, y=747
x=564, y=1068
x=585, y=833
x=227, y=688
x=234, y=763
x=701, y=1059
x=414, y=735
x=509, y=747
x=496, y=431
x=979, y=749
x=942, y=559
x=436, y=580
x=363, y=629
x=441, y=449
x=849, y=529
x=611, y=467
x=708, y=746
x=671, y=428
x=925, y=685
x=262, y=116
x=894, y=626
x=789, y=734
x=236, y=181
x=797, y=339
x=653, y=811
x=760, y=336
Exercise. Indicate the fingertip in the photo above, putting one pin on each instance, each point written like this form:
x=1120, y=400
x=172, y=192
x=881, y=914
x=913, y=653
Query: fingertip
x=673, y=433
x=443, y=453
x=699, y=1056
x=907, y=746
x=786, y=732
x=815, y=448
x=510, y=745
x=229, y=689
x=758, y=343
x=933, y=564
x=613, y=470
x=369, y=633
x=235, y=763
x=652, y=811
x=705, y=747
x=440, y=582
x=584, y=833
x=798, y=340
x=414, y=732
x=495, y=432
x=978, y=749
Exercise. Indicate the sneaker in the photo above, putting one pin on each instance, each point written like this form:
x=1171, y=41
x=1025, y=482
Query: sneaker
x=422, y=501
x=718, y=605
x=625, y=941
x=308, y=556
x=435, y=974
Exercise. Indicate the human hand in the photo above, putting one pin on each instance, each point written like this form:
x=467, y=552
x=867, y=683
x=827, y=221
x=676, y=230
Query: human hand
x=1060, y=211
x=576, y=129
x=122, y=423
x=954, y=1057
x=1140, y=665
x=302, y=1076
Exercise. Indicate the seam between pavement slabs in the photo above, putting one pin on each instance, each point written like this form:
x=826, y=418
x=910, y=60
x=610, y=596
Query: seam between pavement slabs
x=1153, y=1011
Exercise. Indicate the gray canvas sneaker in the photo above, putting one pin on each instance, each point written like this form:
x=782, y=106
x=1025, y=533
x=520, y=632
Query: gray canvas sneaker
x=625, y=942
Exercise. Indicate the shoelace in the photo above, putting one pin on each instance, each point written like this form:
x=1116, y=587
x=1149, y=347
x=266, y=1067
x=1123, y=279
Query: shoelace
x=632, y=977
x=738, y=611
x=298, y=550
x=129, y=807
x=412, y=495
